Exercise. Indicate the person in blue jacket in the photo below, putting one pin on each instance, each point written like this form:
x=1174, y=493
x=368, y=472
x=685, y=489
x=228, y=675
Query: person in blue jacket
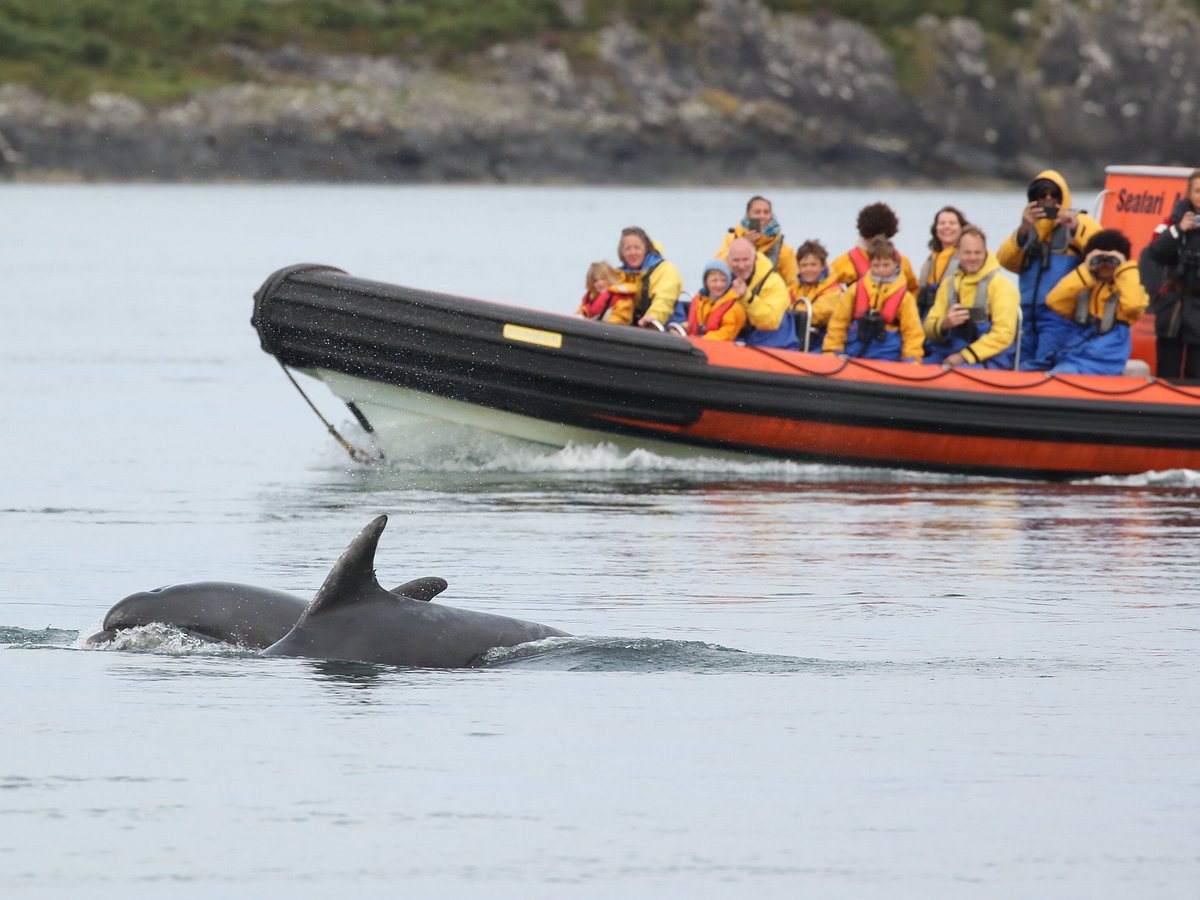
x=1046, y=246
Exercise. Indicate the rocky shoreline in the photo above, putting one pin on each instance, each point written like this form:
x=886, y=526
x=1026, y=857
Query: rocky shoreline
x=743, y=95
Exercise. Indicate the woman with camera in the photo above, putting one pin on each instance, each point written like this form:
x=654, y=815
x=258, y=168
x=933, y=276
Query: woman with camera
x=1097, y=302
x=1176, y=247
x=761, y=228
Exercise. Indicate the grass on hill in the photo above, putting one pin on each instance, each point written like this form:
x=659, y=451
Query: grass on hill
x=163, y=50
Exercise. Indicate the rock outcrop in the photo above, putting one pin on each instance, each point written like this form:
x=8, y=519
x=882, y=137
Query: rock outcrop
x=740, y=94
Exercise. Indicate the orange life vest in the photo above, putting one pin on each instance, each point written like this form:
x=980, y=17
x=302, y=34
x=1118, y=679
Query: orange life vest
x=712, y=321
x=890, y=308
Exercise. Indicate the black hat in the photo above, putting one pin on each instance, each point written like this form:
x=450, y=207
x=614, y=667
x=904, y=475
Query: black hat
x=1039, y=186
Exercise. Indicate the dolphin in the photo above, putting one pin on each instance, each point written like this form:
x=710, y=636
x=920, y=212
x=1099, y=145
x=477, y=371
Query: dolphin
x=243, y=614
x=352, y=618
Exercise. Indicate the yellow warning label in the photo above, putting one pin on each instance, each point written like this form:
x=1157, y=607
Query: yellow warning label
x=532, y=336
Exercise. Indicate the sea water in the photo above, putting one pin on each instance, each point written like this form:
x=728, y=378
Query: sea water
x=787, y=680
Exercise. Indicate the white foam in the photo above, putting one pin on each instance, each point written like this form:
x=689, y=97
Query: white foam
x=165, y=639
x=1167, y=478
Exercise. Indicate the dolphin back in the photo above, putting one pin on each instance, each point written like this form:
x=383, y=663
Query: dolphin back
x=226, y=611
x=353, y=618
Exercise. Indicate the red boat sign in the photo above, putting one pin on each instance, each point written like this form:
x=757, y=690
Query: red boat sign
x=1136, y=199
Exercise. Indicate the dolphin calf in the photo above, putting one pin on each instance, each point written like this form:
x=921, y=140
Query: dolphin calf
x=352, y=618
x=243, y=614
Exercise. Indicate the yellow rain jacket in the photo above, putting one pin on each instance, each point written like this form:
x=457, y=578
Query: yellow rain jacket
x=1003, y=301
x=823, y=296
x=786, y=267
x=662, y=287
x=766, y=300
x=908, y=320
x=1131, y=302
x=935, y=267
x=732, y=322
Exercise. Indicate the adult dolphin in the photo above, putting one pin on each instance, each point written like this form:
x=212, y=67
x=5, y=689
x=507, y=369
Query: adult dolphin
x=353, y=618
x=243, y=614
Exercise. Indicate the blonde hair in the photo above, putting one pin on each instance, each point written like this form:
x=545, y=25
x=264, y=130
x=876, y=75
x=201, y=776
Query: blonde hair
x=600, y=268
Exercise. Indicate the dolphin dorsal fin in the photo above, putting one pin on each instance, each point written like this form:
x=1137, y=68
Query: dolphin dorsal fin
x=421, y=588
x=353, y=575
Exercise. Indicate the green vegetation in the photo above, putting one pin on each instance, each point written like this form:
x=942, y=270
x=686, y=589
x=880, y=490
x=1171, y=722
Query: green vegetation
x=166, y=49
x=160, y=50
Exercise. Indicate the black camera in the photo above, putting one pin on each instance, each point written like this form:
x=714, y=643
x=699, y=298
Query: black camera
x=1050, y=210
x=1104, y=259
x=872, y=327
x=754, y=225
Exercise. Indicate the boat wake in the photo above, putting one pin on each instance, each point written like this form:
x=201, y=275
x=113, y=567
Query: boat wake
x=447, y=448
x=1185, y=478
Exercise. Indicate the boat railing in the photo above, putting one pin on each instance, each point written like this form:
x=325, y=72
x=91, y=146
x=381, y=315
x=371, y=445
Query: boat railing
x=1020, y=330
x=807, y=322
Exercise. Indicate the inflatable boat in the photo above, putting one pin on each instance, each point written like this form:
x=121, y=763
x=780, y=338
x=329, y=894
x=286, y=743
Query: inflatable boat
x=392, y=353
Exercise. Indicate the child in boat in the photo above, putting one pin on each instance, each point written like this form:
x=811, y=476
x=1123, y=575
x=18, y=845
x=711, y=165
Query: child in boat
x=876, y=317
x=874, y=220
x=600, y=301
x=1099, y=300
x=715, y=312
x=817, y=285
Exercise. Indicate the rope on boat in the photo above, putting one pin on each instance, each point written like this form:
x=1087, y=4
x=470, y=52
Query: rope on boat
x=356, y=453
x=972, y=375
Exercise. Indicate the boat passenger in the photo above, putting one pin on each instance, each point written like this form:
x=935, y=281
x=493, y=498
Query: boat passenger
x=1098, y=301
x=819, y=287
x=600, y=301
x=653, y=282
x=1176, y=246
x=876, y=317
x=973, y=321
x=761, y=291
x=715, y=312
x=874, y=220
x=1046, y=246
x=948, y=224
x=761, y=228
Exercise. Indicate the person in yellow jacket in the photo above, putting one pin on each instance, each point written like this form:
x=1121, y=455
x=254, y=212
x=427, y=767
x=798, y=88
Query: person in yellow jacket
x=1045, y=247
x=653, y=282
x=761, y=291
x=876, y=317
x=1098, y=301
x=948, y=223
x=819, y=287
x=761, y=228
x=715, y=312
x=602, y=300
x=973, y=321
x=874, y=220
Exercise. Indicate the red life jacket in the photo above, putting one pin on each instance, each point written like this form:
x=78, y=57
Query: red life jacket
x=858, y=259
x=890, y=308
x=712, y=321
x=596, y=307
